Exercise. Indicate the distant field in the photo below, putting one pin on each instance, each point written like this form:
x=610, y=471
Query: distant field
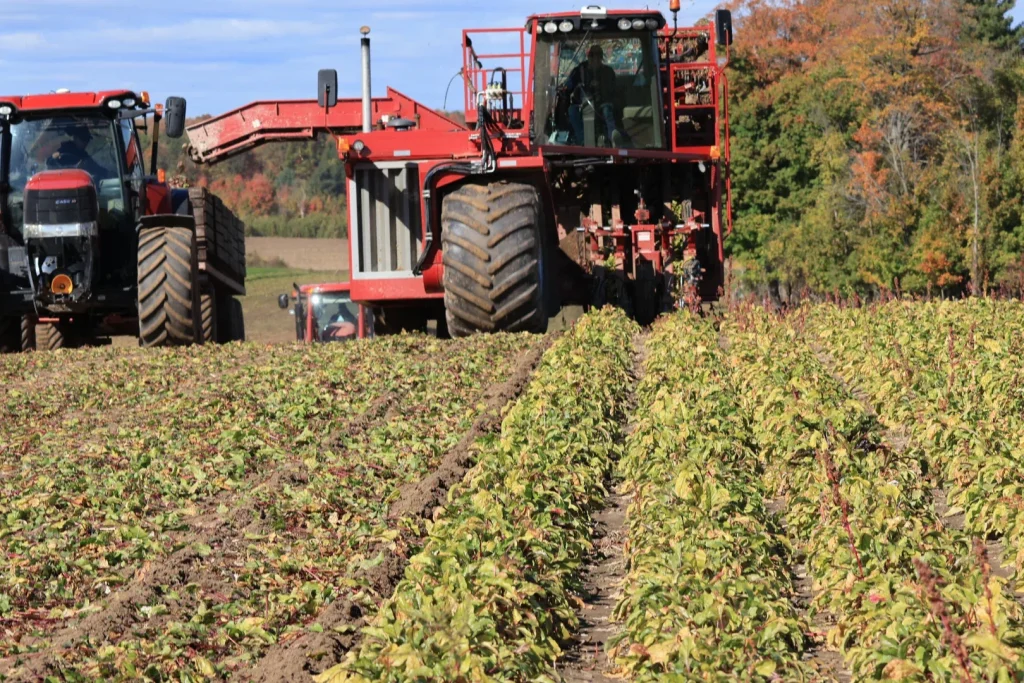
x=265, y=322
x=300, y=252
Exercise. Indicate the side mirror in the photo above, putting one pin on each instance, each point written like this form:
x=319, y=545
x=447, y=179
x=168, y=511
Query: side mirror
x=327, y=87
x=174, y=117
x=723, y=27
x=282, y=301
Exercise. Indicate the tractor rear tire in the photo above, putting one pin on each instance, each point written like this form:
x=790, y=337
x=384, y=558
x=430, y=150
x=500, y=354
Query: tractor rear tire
x=208, y=317
x=491, y=241
x=10, y=335
x=168, y=296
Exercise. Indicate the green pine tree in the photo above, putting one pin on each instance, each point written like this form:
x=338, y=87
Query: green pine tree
x=993, y=24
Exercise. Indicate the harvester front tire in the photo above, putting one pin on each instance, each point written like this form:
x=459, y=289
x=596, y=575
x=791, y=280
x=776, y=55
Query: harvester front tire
x=491, y=241
x=168, y=298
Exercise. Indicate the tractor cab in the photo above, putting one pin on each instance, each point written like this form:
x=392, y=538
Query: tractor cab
x=73, y=190
x=326, y=313
x=596, y=79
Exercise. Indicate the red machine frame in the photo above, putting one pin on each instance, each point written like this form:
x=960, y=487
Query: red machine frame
x=444, y=141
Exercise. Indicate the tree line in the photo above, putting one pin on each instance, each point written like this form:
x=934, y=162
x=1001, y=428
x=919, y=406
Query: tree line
x=877, y=145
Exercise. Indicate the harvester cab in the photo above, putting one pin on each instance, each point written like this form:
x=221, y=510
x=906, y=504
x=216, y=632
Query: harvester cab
x=90, y=239
x=592, y=169
x=326, y=313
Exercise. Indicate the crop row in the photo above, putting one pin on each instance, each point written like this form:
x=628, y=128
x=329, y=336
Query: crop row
x=948, y=374
x=491, y=594
x=708, y=595
x=912, y=599
x=102, y=467
x=275, y=448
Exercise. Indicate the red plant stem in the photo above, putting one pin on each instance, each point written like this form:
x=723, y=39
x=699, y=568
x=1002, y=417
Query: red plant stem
x=844, y=507
x=986, y=573
x=938, y=609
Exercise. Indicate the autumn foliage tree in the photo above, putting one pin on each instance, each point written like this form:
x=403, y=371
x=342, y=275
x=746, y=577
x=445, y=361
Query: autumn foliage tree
x=876, y=143
x=293, y=189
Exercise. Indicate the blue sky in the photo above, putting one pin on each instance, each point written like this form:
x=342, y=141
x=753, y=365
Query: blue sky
x=221, y=54
x=224, y=53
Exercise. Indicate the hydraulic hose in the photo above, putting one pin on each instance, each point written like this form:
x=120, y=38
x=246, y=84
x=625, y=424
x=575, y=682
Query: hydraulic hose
x=485, y=165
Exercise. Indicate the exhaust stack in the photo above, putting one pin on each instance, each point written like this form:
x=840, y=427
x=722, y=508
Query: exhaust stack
x=367, y=102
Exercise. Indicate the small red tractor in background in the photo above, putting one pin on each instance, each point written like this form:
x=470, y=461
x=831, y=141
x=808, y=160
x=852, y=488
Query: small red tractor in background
x=91, y=246
x=326, y=313
x=593, y=169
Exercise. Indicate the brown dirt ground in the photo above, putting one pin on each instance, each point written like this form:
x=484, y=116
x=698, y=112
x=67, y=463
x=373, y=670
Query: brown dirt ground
x=586, y=659
x=313, y=653
x=300, y=252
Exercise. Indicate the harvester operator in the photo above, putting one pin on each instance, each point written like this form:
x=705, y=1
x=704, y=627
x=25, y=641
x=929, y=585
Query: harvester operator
x=597, y=81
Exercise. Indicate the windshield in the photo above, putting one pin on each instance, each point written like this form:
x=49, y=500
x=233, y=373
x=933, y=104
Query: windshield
x=335, y=316
x=89, y=143
x=599, y=91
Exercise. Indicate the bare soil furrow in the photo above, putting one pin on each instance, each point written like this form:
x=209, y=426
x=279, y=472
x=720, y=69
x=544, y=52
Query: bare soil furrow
x=586, y=659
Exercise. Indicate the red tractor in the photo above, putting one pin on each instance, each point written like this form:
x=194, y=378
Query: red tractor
x=326, y=313
x=592, y=169
x=91, y=245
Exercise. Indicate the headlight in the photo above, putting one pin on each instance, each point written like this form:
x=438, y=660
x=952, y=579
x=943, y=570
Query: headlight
x=129, y=102
x=114, y=104
x=358, y=146
x=639, y=24
x=551, y=27
x=6, y=110
x=625, y=24
x=566, y=26
x=652, y=24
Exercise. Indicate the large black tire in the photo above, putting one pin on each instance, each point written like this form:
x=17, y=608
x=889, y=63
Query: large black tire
x=208, y=317
x=237, y=321
x=230, y=321
x=491, y=241
x=10, y=334
x=391, y=320
x=28, y=333
x=53, y=336
x=168, y=296
x=646, y=296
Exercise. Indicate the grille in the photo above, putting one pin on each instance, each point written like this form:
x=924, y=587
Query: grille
x=386, y=213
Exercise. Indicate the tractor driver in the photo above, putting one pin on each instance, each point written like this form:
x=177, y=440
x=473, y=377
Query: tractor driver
x=73, y=153
x=597, y=81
